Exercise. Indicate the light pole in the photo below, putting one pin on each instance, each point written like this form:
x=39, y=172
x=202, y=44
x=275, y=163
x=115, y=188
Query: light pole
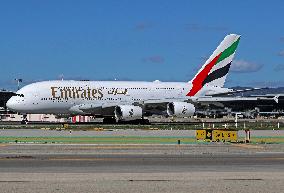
x=236, y=119
x=18, y=82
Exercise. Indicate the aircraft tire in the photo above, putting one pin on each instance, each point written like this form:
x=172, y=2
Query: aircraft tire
x=109, y=120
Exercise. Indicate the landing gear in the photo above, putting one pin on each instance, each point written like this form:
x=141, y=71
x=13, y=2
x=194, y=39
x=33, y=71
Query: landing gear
x=135, y=122
x=25, y=120
x=112, y=120
x=144, y=122
x=109, y=120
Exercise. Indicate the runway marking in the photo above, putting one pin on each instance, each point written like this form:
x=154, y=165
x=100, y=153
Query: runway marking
x=244, y=179
x=273, y=158
x=248, y=146
x=97, y=144
x=114, y=147
x=124, y=147
x=67, y=159
x=87, y=159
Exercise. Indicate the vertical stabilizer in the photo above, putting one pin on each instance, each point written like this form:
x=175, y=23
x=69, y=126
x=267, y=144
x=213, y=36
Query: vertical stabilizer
x=216, y=68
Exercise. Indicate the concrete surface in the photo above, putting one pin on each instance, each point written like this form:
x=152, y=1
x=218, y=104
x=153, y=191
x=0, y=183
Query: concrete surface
x=142, y=168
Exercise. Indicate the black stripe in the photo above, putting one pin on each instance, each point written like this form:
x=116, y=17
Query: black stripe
x=219, y=73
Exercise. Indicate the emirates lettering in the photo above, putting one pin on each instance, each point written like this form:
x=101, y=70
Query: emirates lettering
x=76, y=93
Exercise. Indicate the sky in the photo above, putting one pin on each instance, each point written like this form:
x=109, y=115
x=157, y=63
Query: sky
x=147, y=40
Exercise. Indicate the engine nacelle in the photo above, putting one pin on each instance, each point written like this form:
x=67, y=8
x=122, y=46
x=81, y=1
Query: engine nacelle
x=128, y=112
x=76, y=110
x=180, y=109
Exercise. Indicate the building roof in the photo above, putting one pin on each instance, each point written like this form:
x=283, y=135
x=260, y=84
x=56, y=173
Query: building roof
x=5, y=96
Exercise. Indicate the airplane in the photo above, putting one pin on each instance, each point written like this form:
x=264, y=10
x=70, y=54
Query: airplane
x=128, y=100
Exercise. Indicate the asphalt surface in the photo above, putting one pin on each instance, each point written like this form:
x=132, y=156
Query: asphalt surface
x=127, y=163
x=142, y=168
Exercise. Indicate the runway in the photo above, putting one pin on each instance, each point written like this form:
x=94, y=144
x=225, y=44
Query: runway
x=141, y=168
x=127, y=163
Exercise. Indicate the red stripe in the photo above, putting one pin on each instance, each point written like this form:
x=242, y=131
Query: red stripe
x=197, y=82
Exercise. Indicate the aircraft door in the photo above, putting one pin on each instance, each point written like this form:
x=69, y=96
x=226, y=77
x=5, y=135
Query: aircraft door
x=180, y=91
x=35, y=99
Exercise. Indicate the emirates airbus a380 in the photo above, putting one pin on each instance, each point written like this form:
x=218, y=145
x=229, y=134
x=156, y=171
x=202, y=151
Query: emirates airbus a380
x=128, y=100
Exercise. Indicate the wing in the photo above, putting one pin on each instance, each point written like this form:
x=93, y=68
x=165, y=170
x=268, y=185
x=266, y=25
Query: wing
x=233, y=91
x=238, y=102
x=92, y=108
x=155, y=106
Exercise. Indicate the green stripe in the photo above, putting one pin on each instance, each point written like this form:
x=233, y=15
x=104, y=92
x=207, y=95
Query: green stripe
x=229, y=51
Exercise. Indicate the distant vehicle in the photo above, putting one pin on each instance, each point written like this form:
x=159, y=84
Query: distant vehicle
x=128, y=100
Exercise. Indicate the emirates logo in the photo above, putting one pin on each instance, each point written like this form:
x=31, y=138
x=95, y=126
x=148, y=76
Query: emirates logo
x=184, y=110
x=131, y=113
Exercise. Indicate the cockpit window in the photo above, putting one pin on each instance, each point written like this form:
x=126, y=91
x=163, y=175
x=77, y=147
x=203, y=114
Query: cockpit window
x=20, y=95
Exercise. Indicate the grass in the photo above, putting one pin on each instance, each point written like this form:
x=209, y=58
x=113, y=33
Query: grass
x=135, y=139
x=194, y=126
x=100, y=140
x=266, y=140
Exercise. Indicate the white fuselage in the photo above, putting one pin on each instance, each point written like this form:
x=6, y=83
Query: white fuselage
x=60, y=97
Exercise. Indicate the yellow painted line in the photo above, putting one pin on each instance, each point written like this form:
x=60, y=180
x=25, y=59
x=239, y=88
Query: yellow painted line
x=248, y=146
x=279, y=158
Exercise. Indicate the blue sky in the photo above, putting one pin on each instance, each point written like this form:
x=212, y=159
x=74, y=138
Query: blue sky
x=138, y=40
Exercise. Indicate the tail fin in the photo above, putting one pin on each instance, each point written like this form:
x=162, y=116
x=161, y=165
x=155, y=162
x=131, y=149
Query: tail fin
x=216, y=68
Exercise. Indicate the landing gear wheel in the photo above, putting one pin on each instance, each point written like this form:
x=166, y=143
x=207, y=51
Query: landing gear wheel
x=25, y=120
x=144, y=121
x=135, y=122
x=109, y=120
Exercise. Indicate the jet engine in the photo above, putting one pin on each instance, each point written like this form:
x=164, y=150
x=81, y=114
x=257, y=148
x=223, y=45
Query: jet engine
x=180, y=109
x=128, y=112
x=77, y=110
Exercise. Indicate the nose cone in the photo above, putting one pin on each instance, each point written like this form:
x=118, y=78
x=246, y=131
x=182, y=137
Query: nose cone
x=12, y=104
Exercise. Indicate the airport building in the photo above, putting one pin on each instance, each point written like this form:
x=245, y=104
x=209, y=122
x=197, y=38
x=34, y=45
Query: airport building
x=32, y=117
x=12, y=117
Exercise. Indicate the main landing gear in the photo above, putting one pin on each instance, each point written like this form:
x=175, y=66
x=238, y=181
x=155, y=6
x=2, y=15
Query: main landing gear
x=25, y=120
x=109, y=120
x=112, y=120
